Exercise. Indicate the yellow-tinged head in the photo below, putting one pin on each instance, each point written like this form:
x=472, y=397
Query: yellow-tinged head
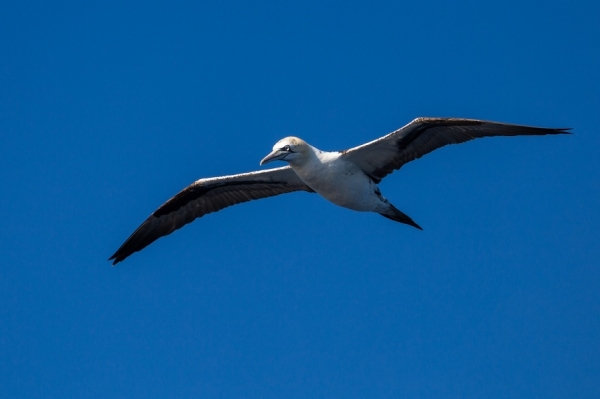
x=288, y=149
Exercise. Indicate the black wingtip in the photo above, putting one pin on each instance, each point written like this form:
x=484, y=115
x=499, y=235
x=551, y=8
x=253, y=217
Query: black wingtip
x=563, y=130
x=116, y=258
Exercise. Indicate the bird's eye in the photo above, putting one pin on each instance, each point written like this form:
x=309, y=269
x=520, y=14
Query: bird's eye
x=286, y=148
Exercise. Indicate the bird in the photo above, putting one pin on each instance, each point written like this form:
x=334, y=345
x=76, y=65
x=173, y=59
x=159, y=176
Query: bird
x=348, y=178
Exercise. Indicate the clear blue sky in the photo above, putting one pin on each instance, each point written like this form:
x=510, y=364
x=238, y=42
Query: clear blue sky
x=108, y=109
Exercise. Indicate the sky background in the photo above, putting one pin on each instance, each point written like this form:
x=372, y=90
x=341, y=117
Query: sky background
x=108, y=109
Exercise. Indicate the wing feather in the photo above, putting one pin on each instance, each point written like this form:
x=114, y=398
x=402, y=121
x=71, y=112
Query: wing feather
x=381, y=157
x=205, y=196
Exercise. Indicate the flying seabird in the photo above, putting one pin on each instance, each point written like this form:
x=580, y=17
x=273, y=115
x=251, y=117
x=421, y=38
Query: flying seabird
x=347, y=178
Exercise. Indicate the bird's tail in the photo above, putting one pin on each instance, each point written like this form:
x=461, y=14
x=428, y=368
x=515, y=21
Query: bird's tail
x=394, y=213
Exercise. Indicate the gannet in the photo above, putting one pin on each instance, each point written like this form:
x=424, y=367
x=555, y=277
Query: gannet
x=347, y=178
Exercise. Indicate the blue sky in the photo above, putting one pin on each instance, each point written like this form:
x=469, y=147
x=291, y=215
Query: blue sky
x=108, y=109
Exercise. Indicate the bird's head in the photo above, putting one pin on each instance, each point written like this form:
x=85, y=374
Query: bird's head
x=289, y=149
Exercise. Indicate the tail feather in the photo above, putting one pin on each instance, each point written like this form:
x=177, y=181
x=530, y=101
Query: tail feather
x=395, y=214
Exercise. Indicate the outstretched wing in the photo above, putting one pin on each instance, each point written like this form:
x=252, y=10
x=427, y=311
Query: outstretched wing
x=381, y=157
x=206, y=196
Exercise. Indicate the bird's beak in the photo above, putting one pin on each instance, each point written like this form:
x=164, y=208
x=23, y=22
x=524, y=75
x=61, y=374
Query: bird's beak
x=274, y=156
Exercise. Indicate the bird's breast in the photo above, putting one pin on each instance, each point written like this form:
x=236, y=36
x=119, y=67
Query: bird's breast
x=342, y=183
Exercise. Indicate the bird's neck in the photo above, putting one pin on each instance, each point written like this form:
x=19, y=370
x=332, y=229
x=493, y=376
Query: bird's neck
x=312, y=164
x=309, y=157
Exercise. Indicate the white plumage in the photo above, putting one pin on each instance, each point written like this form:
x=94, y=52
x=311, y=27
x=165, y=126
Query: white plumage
x=346, y=178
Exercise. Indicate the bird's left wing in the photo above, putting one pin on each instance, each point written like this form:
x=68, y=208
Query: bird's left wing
x=206, y=196
x=381, y=157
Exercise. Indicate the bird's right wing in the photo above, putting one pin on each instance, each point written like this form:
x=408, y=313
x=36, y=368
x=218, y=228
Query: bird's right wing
x=382, y=156
x=206, y=196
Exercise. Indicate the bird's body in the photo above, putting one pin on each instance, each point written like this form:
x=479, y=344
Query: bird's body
x=336, y=179
x=346, y=178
